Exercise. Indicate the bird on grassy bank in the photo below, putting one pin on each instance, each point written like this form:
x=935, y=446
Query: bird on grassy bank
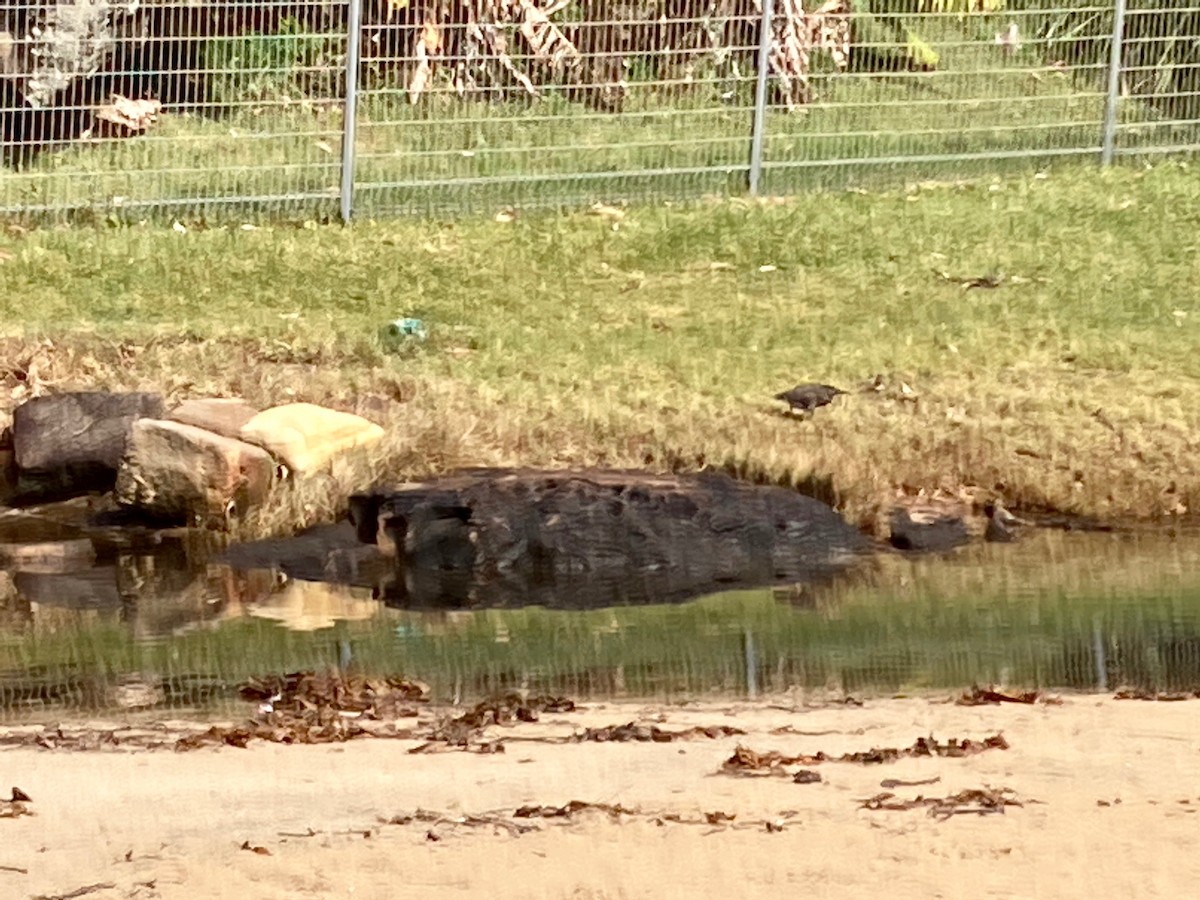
x=1001, y=524
x=807, y=397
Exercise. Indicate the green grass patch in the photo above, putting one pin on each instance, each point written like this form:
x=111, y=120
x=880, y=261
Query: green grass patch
x=657, y=338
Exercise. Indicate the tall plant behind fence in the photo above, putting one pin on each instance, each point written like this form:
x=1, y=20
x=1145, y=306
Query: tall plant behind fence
x=231, y=108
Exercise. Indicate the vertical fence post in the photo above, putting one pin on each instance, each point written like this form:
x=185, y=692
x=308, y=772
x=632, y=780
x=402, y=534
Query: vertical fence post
x=1100, y=657
x=751, y=664
x=350, y=109
x=760, y=97
x=1112, y=100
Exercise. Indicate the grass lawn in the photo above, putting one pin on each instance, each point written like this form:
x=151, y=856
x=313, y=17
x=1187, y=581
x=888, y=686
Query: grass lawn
x=657, y=338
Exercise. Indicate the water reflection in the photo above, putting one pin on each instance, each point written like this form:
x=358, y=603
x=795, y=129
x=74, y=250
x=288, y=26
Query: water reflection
x=165, y=624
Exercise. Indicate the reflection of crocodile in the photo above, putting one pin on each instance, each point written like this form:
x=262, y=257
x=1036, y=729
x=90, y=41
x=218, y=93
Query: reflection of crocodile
x=596, y=538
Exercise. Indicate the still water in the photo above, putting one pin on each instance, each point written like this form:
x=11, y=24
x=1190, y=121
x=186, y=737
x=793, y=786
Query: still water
x=166, y=627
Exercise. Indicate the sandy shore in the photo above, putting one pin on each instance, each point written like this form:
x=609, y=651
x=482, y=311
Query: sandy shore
x=1118, y=784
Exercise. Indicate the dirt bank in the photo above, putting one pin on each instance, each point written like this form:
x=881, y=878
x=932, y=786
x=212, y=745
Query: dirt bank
x=1116, y=786
x=864, y=455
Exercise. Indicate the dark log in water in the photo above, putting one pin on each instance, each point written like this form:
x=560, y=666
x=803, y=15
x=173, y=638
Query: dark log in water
x=488, y=538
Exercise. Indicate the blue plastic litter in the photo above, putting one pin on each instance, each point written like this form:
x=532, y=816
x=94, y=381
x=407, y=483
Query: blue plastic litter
x=405, y=328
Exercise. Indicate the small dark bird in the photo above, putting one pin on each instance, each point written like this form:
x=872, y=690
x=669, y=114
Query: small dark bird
x=1000, y=523
x=807, y=397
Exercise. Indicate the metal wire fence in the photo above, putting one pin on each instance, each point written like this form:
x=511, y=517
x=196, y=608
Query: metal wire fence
x=336, y=108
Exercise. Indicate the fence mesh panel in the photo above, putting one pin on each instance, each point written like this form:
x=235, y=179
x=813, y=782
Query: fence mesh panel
x=1160, y=79
x=607, y=101
x=231, y=108
x=965, y=94
x=188, y=109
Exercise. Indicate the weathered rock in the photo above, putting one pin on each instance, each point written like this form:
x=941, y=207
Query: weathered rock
x=48, y=556
x=8, y=473
x=926, y=531
x=180, y=472
x=308, y=437
x=72, y=443
x=594, y=539
x=220, y=416
x=8, y=463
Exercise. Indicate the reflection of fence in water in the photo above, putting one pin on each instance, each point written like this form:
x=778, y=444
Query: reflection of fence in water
x=231, y=108
x=1134, y=624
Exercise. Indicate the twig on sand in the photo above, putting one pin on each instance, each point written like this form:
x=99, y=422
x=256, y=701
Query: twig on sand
x=78, y=892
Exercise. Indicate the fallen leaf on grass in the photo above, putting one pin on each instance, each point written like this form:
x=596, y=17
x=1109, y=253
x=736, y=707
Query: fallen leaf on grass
x=605, y=211
x=130, y=116
x=990, y=280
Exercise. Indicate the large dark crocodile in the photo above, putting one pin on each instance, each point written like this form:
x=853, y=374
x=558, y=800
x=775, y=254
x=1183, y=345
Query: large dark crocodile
x=596, y=538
